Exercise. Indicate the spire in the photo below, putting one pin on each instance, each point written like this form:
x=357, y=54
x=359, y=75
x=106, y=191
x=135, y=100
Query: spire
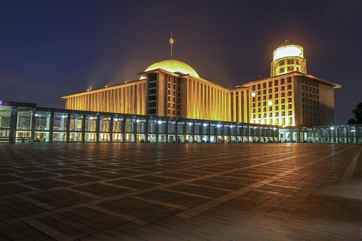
x=171, y=41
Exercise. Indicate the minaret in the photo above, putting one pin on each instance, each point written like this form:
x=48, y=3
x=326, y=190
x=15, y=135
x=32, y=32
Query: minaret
x=288, y=58
x=171, y=41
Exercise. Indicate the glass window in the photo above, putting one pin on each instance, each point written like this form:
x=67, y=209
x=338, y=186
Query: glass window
x=117, y=125
x=141, y=125
x=189, y=128
x=197, y=129
x=130, y=125
x=24, y=120
x=162, y=126
x=152, y=126
x=5, y=116
x=60, y=121
x=75, y=122
x=171, y=127
x=105, y=124
x=91, y=123
x=59, y=137
x=180, y=128
x=42, y=120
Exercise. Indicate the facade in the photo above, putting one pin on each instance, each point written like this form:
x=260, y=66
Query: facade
x=28, y=123
x=290, y=97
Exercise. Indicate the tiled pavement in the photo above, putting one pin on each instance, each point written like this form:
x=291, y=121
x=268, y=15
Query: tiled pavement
x=178, y=192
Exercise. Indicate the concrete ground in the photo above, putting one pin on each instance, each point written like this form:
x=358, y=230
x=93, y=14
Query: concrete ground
x=90, y=192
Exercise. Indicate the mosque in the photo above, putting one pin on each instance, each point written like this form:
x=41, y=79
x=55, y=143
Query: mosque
x=172, y=88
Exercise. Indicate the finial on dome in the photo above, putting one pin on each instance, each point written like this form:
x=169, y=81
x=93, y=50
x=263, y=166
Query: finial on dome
x=171, y=41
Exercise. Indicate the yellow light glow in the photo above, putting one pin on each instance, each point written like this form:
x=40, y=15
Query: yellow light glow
x=288, y=51
x=253, y=94
x=174, y=66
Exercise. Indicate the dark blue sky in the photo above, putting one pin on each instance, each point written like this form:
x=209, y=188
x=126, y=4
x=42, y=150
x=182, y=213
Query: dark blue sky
x=51, y=48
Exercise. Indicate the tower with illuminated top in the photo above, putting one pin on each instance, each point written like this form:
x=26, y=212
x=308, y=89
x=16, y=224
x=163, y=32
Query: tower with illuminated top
x=288, y=58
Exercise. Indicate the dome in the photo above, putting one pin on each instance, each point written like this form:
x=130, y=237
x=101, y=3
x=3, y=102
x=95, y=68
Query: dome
x=288, y=50
x=174, y=66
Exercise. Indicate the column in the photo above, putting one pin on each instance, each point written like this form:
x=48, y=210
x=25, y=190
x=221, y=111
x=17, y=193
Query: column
x=83, y=128
x=67, y=128
x=13, y=124
x=146, y=130
x=123, y=128
x=98, y=127
x=32, y=127
x=51, y=127
x=111, y=129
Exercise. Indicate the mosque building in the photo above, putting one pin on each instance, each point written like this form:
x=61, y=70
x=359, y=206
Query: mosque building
x=172, y=88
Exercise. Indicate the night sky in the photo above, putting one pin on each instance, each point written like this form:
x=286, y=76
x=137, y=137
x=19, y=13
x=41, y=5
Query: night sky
x=52, y=48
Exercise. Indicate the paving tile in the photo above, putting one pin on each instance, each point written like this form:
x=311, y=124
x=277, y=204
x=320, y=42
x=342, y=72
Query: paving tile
x=46, y=184
x=60, y=198
x=135, y=184
x=145, y=211
x=174, y=198
x=8, y=178
x=79, y=179
x=15, y=207
x=12, y=188
x=199, y=190
x=103, y=190
x=22, y=232
x=82, y=221
x=157, y=179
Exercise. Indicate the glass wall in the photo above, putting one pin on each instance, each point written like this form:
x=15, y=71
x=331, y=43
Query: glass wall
x=30, y=124
x=42, y=126
x=75, y=127
x=141, y=125
x=117, y=129
x=90, y=128
x=105, y=128
x=24, y=125
x=5, y=121
x=60, y=127
x=130, y=128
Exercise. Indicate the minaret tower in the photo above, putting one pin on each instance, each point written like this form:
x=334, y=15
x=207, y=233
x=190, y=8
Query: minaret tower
x=288, y=58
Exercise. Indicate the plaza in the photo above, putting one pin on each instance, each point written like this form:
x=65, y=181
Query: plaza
x=143, y=192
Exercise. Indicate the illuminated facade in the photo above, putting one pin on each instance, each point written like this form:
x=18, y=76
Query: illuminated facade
x=288, y=58
x=168, y=88
x=291, y=97
x=172, y=88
